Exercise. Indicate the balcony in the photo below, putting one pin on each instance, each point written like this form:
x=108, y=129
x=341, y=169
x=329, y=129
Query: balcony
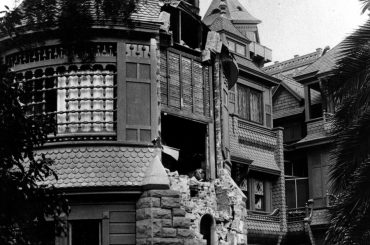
x=263, y=225
x=261, y=51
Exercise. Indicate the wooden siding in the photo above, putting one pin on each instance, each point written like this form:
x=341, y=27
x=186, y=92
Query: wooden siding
x=118, y=222
x=185, y=85
x=122, y=227
x=284, y=101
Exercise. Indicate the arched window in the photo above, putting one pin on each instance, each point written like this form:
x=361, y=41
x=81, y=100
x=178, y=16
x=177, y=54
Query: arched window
x=207, y=228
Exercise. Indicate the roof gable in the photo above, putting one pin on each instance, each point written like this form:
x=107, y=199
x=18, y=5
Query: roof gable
x=223, y=24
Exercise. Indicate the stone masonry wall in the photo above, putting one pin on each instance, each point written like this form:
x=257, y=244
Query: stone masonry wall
x=220, y=198
x=160, y=220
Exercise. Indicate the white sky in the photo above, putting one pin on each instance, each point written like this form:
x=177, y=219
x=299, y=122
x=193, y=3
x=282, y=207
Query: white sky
x=292, y=27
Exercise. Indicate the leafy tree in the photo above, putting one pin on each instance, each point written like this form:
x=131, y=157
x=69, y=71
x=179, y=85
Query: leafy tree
x=26, y=202
x=350, y=171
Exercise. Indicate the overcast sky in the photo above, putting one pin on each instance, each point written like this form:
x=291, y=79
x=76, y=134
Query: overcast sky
x=292, y=27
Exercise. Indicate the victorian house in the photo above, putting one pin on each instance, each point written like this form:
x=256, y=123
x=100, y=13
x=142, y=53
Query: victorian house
x=302, y=107
x=167, y=136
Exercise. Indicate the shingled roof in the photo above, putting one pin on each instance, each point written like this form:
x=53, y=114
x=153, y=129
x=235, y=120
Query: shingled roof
x=98, y=166
x=220, y=23
x=324, y=64
x=147, y=10
x=235, y=11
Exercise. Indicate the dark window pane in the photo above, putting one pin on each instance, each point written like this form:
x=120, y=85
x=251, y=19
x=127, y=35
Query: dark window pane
x=85, y=232
x=131, y=70
x=144, y=72
x=290, y=193
x=288, y=168
x=300, y=168
x=302, y=192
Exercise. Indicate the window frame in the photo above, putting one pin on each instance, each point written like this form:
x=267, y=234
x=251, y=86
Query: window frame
x=248, y=107
x=295, y=178
x=235, y=47
x=70, y=230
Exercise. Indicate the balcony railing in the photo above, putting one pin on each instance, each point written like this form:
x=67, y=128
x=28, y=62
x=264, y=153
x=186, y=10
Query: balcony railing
x=261, y=51
x=296, y=214
x=263, y=216
x=58, y=54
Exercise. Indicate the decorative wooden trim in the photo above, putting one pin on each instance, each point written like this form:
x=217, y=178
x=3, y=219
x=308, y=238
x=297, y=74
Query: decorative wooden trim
x=121, y=90
x=105, y=228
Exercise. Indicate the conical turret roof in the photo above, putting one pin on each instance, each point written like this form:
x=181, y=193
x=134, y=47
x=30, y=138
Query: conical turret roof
x=234, y=11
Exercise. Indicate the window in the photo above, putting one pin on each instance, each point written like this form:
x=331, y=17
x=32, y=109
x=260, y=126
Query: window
x=240, y=49
x=231, y=45
x=236, y=47
x=85, y=232
x=85, y=101
x=80, y=100
x=250, y=104
x=296, y=183
x=259, y=195
x=314, y=101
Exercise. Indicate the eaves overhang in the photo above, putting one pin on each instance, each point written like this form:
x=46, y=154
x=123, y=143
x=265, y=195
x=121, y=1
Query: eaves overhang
x=264, y=78
x=306, y=78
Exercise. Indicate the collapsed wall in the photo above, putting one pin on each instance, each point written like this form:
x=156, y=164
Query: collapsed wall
x=220, y=199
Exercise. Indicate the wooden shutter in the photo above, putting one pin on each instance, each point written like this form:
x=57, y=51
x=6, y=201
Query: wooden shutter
x=139, y=92
x=164, y=78
x=207, y=95
x=186, y=84
x=174, y=80
x=198, y=88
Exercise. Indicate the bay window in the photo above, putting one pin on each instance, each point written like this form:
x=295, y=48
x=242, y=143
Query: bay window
x=80, y=100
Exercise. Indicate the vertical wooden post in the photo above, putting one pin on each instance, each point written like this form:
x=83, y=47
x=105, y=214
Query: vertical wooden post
x=217, y=113
x=307, y=102
x=211, y=128
x=105, y=228
x=121, y=90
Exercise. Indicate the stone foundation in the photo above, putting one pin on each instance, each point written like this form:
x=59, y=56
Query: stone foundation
x=160, y=219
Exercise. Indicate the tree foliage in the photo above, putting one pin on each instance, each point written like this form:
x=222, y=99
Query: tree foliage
x=71, y=21
x=25, y=202
x=350, y=172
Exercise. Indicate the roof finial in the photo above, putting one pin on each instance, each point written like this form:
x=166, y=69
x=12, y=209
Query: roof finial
x=223, y=7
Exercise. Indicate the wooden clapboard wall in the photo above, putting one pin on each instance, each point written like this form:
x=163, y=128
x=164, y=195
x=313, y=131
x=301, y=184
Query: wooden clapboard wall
x=118, y=222
x=122, y=227
x=185, y=83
